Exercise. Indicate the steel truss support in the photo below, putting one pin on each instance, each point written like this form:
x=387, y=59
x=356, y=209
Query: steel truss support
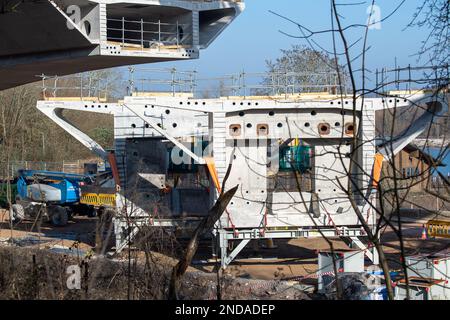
x=245, y=235
x=370, y=251
x=225, y=258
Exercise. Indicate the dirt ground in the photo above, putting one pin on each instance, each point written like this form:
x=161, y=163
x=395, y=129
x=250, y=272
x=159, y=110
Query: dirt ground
x=79, y=232
x=290, y=258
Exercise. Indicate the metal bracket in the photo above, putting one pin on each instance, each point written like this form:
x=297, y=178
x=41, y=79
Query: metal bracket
x=226, y=260
x=370, y=252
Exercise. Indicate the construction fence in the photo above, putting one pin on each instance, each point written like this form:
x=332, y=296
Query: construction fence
x=76, y=166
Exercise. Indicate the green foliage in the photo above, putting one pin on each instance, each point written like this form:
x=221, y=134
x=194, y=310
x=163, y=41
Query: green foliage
x=104, y=136
x=3, y=193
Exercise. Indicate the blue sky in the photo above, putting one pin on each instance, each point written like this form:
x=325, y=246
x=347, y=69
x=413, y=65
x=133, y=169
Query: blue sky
x=254, y=36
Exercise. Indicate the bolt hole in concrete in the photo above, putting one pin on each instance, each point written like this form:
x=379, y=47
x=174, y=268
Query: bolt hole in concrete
x=263, y=129
x=324, y=128
x=349, y=128
x=235, y=130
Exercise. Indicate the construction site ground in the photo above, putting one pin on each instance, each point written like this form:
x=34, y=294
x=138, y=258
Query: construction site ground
x=290, y=257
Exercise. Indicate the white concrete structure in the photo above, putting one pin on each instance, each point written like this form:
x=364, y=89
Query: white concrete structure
x=59, y=37
x=246, y=132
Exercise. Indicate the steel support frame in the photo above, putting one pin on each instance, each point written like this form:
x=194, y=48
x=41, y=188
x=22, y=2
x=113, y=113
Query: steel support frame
x=245, y=235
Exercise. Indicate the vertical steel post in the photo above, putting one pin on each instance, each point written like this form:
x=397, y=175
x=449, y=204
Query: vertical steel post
x=173, y=81
x=142, y=34
x=123, y=31
x=178, y=33
x=131, y=80
x=90, y=85
x=285, y=84
x=55, y=86
x=244, y=84
x=159, y=31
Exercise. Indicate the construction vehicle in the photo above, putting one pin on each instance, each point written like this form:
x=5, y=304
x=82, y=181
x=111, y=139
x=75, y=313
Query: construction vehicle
x=53, y=195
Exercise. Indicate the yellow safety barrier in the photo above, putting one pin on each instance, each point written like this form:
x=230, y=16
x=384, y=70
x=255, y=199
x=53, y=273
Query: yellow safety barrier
x=108, y=200
x=99, y=200
x=438, y=228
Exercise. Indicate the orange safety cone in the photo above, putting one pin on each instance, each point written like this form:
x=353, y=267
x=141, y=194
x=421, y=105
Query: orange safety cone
x=424, y=233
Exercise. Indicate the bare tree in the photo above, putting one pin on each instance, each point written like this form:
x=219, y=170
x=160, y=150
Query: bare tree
x=355, y=66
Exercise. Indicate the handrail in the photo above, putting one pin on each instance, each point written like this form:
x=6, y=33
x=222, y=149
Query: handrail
x=147, y=34
x=86, y=85
x=172, y=80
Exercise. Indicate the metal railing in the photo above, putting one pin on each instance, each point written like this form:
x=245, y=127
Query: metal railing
x=280, y=83
x=161, y=80
x=406, y=78
x=243, y=84
x=85, y=86
x=173, y=81
x=147, y=34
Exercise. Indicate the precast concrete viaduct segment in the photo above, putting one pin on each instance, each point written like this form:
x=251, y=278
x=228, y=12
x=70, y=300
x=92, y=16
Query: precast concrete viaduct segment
x=60, y=37
x=245, y=132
